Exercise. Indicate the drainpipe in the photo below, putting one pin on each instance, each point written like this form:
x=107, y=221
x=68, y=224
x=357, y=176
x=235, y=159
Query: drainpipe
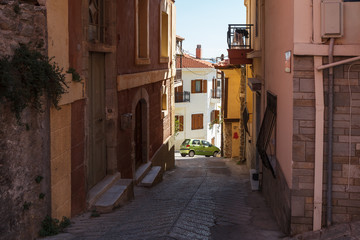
x=319, y=144
x=330, y=134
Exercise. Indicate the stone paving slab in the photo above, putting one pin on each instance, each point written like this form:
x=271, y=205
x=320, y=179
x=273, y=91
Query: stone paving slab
x=203, y=198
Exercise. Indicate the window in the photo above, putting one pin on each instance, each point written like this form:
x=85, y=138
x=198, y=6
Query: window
x=196, y=142
x=142, y=32
x=96, y=21
x=179, y=123
x=205, y=143
x=164, y=31
x=164, y=100
x=266, y=136
x=214, y=118
x=198, y=86
x=197, y=121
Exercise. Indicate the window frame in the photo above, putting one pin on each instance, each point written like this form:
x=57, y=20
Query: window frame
x=139, y=37
x=203, y=84
x=165, y=10
x=100, y=27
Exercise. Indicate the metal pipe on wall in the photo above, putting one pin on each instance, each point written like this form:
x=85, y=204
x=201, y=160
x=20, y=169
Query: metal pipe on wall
x=330, y=134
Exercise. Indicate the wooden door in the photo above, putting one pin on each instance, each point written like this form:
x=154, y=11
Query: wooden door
x=97, y=150
x=138, y=135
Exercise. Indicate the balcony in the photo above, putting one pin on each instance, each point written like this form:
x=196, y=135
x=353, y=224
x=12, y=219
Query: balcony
x=178, y=78
x=182, y=97
x=239, y=43
x=215, y=95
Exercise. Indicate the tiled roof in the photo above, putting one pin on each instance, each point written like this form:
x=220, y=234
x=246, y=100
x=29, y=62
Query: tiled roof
x=191, y=62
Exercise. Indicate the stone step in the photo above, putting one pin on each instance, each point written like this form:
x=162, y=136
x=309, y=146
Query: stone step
x=141, y=172
x=98, y=190
x=117, y=195
x=153, y=177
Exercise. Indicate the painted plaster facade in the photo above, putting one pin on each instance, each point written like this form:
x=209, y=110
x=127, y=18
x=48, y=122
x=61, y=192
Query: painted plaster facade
x=298, y=193
x=200, y=103
x=66, y=136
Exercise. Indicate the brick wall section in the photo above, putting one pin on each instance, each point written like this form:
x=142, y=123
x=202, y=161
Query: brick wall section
x=24, y=153
x=303, y=145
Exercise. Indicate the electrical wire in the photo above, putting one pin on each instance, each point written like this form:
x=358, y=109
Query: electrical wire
x=350, y=127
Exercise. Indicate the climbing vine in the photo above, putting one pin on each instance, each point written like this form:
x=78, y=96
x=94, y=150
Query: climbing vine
x=26, y=77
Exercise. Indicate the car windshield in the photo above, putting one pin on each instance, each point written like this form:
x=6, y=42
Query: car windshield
x=186, y=141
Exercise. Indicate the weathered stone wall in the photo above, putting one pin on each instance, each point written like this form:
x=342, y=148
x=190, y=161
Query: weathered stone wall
x=346, y=187
x=303, y=145
x=24, y=151
x=346, y=162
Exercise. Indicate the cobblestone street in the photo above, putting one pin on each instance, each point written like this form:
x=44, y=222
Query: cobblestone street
x=203, y=198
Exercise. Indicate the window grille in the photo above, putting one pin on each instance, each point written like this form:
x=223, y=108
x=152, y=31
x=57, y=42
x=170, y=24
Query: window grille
x=266, y=130
x=97, y=21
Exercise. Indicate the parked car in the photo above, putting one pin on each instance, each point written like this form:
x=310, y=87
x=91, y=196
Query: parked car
x=194, y=147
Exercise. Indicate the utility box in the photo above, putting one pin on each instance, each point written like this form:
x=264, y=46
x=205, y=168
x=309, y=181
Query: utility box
x=332, y=19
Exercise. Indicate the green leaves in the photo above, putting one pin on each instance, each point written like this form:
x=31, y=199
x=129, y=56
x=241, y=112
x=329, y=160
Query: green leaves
x=28, y=76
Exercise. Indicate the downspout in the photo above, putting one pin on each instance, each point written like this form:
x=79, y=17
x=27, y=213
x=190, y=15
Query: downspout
x=330, y=134
x=319, y=144
x=319, y=123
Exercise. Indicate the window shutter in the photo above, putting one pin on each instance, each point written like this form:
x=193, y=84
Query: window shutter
x=212, y=116
x=193, y=86
x=204, y=86
x=216, y=117
x=181, y=123
x=179, y=89
x=192, y=122
x=201, y=121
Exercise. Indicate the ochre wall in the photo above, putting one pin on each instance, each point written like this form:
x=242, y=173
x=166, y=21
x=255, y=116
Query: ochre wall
x=60, y=120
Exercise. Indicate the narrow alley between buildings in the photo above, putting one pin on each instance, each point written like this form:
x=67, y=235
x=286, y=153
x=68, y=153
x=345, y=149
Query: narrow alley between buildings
x=202, y=198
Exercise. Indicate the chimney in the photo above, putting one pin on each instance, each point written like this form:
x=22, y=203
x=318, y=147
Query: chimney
x=198, y=51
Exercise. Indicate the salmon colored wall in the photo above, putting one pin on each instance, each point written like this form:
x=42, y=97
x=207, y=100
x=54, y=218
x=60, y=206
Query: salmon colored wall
x=303, y=22
x=279, y=39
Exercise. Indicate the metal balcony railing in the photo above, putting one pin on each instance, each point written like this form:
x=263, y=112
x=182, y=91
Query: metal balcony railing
x=215, y=93
x=182, y=97
x=239, y=36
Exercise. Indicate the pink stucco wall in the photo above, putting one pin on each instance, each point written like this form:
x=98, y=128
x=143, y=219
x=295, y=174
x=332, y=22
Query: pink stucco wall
x=279, y=34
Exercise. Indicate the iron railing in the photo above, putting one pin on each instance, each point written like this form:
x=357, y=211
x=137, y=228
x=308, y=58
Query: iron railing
x=182, y=97
x=239, y=36
x=216, y=93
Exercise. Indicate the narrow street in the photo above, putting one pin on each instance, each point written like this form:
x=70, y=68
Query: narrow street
x=203, y=198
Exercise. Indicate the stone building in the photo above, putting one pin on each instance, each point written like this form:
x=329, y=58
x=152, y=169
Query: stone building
x=117, y=119
x=305, y=119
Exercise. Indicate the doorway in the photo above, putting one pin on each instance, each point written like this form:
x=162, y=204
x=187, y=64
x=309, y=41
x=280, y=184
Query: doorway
x=97, y=139
x=140, y=133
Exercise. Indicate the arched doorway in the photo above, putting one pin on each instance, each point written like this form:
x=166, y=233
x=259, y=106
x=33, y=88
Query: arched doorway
x=140, y=133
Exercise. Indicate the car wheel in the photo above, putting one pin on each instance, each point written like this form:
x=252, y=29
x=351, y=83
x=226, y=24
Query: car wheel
x=191, y=153
x=183, y=154
x=215, y=154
